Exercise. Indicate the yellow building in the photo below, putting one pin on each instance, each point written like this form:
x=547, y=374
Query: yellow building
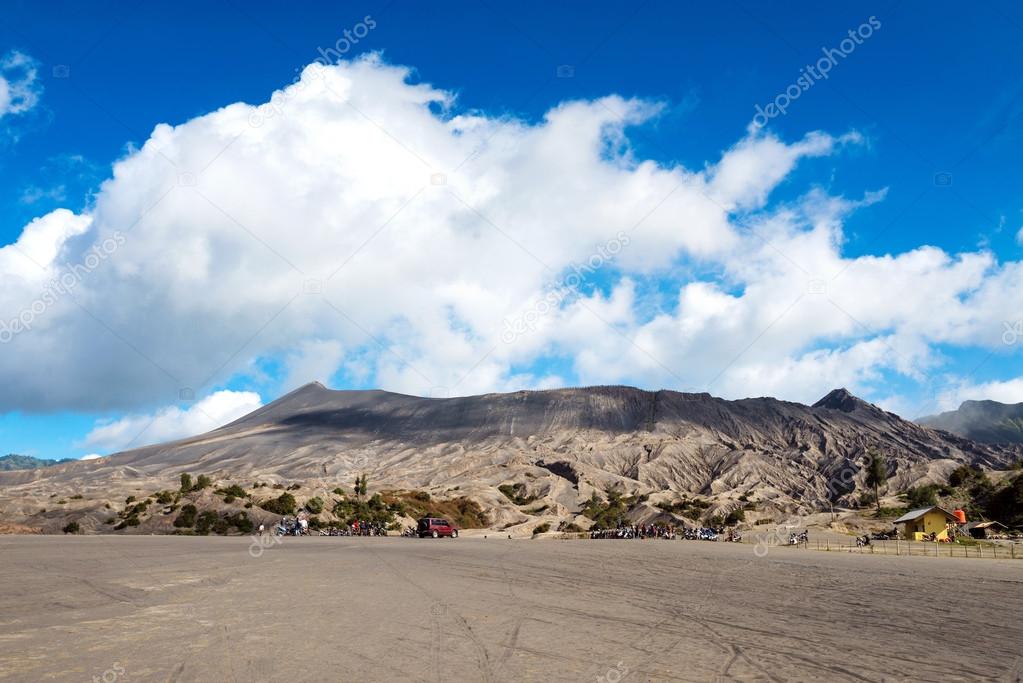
x=926, y=521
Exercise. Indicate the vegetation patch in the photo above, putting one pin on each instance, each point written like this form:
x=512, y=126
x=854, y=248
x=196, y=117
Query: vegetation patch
x=516, y=493
x=284, y=504
x=463, y=512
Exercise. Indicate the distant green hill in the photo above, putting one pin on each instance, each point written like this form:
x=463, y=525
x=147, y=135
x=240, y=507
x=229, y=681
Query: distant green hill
x=26, y=462
x=983, y=421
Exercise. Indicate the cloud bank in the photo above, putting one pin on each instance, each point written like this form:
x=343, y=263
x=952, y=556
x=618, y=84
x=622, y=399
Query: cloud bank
x=359, y=223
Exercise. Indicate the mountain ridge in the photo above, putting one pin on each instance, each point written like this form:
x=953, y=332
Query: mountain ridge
x=562, y=445
x=985, y=421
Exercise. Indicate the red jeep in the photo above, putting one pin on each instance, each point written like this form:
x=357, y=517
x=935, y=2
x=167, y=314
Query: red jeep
x=431, y=526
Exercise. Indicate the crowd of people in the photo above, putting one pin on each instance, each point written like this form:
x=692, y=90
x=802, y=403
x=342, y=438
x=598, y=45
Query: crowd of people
x=668, y=532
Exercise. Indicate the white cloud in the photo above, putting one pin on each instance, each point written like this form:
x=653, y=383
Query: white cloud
x=19, y=84
x=315, y=360
x=172, y=422
x=346, y=224
x=1008, y=391
x=92, y=456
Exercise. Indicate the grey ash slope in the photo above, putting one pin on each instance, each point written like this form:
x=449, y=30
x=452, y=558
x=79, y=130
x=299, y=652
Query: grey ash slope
x=562, y=444
x=984, y=421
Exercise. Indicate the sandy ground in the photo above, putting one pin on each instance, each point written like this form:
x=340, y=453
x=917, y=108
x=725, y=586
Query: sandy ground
x=318, y=609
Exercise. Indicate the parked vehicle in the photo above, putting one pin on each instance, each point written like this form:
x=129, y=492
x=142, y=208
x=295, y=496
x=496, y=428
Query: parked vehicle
x=436, y=528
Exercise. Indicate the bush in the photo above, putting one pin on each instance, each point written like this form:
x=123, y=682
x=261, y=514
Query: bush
x=464, y=512
x=205, y=522
x=241, y=522
x=110, y=520
x=232, y=491
x=77, y=496
x=294, y=487
x=734, y=517
x=921, y=496
x=570, y=527
x=187, y=516
x=693, y=508
x=164, y=497
x=203, y=482
x=129, y=500
x=516, y=493
x=541, y=528
x=282, y=505
x=186, y=482
x=71, y=528
x=314, y=505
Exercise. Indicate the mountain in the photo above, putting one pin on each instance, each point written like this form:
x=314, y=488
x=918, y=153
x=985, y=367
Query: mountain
x=26, y=462
x=560, y=445
x=983, y=421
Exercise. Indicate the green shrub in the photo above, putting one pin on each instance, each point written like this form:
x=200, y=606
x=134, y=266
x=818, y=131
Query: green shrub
x=920, y=496
x=206, y=522
x=110, y=520
x=77, y=496
x=541, y=528
x=734, y=517
x=71, y=528
x=233, y=491
x=187, y=516
x=516, y=493
x=294, y=487
x=186, y=482
x=164, y=497
x=314, y=505
x=569, y=527
x=203, y=482
x=282, y=505
x=129, y=500
x=241, y=522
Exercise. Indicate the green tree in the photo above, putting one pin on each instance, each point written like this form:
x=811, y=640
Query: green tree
x=203, y=482
x=186, y=482
x=877, y=475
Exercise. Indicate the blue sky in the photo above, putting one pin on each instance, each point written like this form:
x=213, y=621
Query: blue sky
x=933, y=99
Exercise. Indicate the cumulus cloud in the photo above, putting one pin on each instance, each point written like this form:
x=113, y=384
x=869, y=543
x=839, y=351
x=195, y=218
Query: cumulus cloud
x=171, y=422
x=358, y=222
x=19, y=84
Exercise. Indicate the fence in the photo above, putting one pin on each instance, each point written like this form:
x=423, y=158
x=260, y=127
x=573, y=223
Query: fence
x=923, y=549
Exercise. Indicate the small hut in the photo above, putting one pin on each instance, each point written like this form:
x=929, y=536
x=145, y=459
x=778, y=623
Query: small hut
x=985, y=529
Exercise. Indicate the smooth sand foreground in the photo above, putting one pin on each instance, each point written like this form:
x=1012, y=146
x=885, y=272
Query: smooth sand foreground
x=392, y=609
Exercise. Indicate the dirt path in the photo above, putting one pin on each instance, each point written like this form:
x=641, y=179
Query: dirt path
x=313, y=609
